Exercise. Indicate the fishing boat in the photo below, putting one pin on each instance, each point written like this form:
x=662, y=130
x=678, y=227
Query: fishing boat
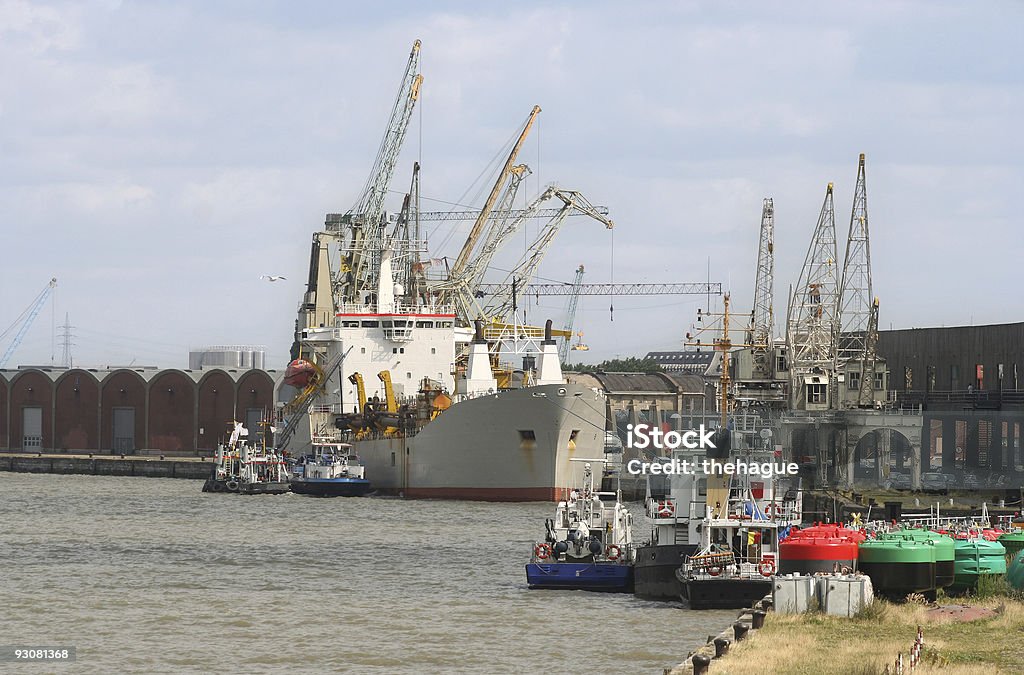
x=588, y=544
x=331, y=470
x=247, y=468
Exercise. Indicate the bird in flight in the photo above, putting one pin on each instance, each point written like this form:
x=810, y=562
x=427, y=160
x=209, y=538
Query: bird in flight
x=273, y=277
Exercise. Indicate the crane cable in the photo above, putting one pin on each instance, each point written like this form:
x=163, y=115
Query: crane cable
x=611, y=279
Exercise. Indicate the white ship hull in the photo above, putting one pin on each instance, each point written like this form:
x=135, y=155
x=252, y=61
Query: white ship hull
x=481, y=448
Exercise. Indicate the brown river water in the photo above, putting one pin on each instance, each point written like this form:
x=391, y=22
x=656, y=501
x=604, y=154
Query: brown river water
x=152, y=575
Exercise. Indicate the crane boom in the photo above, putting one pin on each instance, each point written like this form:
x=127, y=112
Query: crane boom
x=574, y=298
x=485, y=212
x=32, y=312
x=509, y=213
x=569, y=288
x=366, y=217
x=763, y=316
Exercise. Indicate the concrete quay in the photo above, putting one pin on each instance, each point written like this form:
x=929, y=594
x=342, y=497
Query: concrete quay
x=108, y=465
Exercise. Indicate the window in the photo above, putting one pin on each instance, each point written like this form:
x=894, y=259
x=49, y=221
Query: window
x=816, y=393
x=879, y=381
x=780, y=362
x=401, y=350
x=954, y=377
x=424, y=324
x=385, y=324
x=350, y=324
x=369, y=324
x=853, y=381
x=408, y=376
x=444, y=324
x=394, y=350
x=433, y=350
x=392, y=459
x=362, y=350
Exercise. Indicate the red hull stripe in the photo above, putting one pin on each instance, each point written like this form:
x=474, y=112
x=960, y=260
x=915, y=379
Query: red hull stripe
x=524, y=494
x=433, y=316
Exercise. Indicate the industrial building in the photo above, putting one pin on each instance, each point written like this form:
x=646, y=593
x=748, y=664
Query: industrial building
x=129, y=410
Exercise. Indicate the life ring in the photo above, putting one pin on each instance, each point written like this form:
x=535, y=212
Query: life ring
x=542, y=551
x=231, y=485
x=767, y=567
x=613, y=551
x=714, y=571
x=666, y=509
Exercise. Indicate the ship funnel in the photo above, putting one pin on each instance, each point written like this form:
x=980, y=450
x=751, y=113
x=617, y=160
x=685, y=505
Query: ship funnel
x=549, y=369
x=547, y=333
x=478, y=331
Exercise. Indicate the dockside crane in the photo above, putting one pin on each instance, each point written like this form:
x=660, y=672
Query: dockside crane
x=811, y=319
x=762, y=318
x=855, y=296
x=25, y=320
x=365, y=220
x=570, y=316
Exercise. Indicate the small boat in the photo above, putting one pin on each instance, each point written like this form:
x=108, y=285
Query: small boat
x=330, y=471
x=588, y=545
x=736, y=562
x=247, y=469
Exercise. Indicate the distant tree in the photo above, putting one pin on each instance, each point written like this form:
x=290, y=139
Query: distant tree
x=630, y=365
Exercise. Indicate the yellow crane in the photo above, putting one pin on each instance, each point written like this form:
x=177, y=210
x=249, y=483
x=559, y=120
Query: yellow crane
x=357, y=379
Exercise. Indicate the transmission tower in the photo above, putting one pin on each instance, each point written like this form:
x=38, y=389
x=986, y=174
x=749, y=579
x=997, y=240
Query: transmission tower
x=855, y=298
x=811, y=323
x=65, y=342
x=762, y=318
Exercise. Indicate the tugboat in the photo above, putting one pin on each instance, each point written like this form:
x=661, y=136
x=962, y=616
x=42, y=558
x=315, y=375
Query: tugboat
x=588, y=545
x=331, y=471
x=247, y=469
x=737, y=559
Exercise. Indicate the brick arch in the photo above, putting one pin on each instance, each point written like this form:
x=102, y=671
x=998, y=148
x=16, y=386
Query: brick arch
x=122, y=389
x=5, y=443
x=31, y=388
x=216, y=408
x=76, y=422
x=255, y=390
x=171, y=417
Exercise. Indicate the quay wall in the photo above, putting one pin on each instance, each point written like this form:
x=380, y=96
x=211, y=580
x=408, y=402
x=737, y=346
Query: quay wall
x=149, y=467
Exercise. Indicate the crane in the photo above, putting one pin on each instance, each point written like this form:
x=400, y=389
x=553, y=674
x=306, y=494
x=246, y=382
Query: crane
x=25, y=320
x=569, y=288
x=563, y=350
x=855, y=304
x=366, y=218
x=503, y=301
x=762, y=317
x=865, y=395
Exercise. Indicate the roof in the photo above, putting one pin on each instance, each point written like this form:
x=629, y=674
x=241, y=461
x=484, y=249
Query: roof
x=683, y=358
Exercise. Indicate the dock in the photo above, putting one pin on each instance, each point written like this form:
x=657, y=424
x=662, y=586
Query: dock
x=149, y=466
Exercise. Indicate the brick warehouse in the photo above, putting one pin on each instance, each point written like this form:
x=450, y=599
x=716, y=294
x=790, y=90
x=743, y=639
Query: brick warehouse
x=126, y=410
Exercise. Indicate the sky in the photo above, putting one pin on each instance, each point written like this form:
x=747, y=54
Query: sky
x=158, y=157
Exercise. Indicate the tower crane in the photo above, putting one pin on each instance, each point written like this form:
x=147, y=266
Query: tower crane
x=366, y=218
x=24, y=321
x=574, y=298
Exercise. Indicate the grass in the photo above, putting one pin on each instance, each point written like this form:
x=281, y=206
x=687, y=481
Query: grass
x=815, y=644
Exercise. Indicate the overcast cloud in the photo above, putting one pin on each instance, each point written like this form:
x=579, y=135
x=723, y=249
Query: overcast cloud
x=159, y=157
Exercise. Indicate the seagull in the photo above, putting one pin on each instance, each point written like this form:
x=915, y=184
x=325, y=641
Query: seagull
x=273, y=277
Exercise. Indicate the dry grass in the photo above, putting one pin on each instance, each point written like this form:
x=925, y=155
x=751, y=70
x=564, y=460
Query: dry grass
x=813, y=644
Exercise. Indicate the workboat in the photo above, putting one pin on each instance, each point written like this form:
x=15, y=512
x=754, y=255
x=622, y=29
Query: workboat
x=247, y=468
x=736, y=560
x=588, y=544
x=675, y=504
x=331, y=470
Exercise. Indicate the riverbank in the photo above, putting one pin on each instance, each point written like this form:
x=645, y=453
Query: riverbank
x=957, y=641
x=108, y=465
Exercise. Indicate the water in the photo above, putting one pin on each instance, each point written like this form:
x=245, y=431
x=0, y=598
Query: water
x=145, y=574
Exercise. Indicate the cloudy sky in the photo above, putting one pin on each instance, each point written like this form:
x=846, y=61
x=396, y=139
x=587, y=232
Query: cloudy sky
x=158, y=157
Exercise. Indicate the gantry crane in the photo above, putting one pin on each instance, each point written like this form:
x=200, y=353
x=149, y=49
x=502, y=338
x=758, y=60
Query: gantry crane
x=24, y=321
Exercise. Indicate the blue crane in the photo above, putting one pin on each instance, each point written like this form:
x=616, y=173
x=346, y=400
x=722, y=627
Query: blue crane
x=25, y=319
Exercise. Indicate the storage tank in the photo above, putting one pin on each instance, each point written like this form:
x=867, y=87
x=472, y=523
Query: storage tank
x=975, y=558
x=945, y=552
x=1015, y=574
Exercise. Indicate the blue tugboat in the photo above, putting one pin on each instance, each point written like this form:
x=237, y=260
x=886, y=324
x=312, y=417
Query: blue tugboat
x=588, y=544
x=331, y=471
